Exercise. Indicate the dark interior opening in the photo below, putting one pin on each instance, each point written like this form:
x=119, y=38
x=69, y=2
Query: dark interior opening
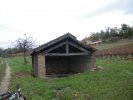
x=74, y=49
x=57, y=65
x=61, y=49
x=60, y=65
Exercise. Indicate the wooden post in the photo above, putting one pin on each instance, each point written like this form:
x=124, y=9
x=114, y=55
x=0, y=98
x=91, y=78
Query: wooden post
x=67, y=47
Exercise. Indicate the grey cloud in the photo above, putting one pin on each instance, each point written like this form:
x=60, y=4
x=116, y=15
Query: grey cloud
x=126, y=6
x=4, y=44
x=3, y=27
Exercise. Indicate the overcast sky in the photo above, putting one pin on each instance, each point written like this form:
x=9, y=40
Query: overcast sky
x=45, y=20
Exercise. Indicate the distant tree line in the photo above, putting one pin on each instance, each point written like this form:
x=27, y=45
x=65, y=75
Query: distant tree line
x=9, y=51
x=111, y=34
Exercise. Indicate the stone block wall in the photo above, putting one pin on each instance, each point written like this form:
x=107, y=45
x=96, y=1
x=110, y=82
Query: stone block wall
x=38, y=65
x=41, y=66
x=35, y=65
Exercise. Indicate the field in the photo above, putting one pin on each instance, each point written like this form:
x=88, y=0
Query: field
x=114, y=44
x=121, y=50
x=114, y=82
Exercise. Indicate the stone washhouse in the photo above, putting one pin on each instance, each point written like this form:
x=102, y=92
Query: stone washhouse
x=63, y=55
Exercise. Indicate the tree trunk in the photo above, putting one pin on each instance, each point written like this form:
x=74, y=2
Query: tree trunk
x=25, y=61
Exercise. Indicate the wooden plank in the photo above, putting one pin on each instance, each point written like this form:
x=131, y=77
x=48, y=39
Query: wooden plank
x=55, y=47
x=78, y=47
x=65, y=54
x=67, y=47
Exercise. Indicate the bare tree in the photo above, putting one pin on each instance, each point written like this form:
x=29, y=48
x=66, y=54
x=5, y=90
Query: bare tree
x=24, y=44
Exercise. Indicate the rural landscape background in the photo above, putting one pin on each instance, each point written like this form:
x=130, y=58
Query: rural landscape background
x=112, y=81
x=105, y=25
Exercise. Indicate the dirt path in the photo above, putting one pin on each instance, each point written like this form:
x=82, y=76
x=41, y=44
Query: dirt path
x=6, y=81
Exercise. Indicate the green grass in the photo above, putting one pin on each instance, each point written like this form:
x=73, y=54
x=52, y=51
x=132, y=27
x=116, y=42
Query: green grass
x=114, y=82
x=110, y=45
x=2, y=68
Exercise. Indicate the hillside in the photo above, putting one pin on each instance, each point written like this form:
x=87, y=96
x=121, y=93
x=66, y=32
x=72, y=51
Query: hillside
x=123, y=51
x=114, y=44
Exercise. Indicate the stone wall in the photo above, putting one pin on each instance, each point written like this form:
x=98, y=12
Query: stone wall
x=35, y=65
x=41, y=66
x=38, y=65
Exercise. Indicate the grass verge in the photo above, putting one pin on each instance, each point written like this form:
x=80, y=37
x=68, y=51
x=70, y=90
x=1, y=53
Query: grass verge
x=114, y=82
x=2, y=68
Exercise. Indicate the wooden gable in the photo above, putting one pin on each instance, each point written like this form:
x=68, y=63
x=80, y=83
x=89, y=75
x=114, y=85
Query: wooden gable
x=66, y=45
